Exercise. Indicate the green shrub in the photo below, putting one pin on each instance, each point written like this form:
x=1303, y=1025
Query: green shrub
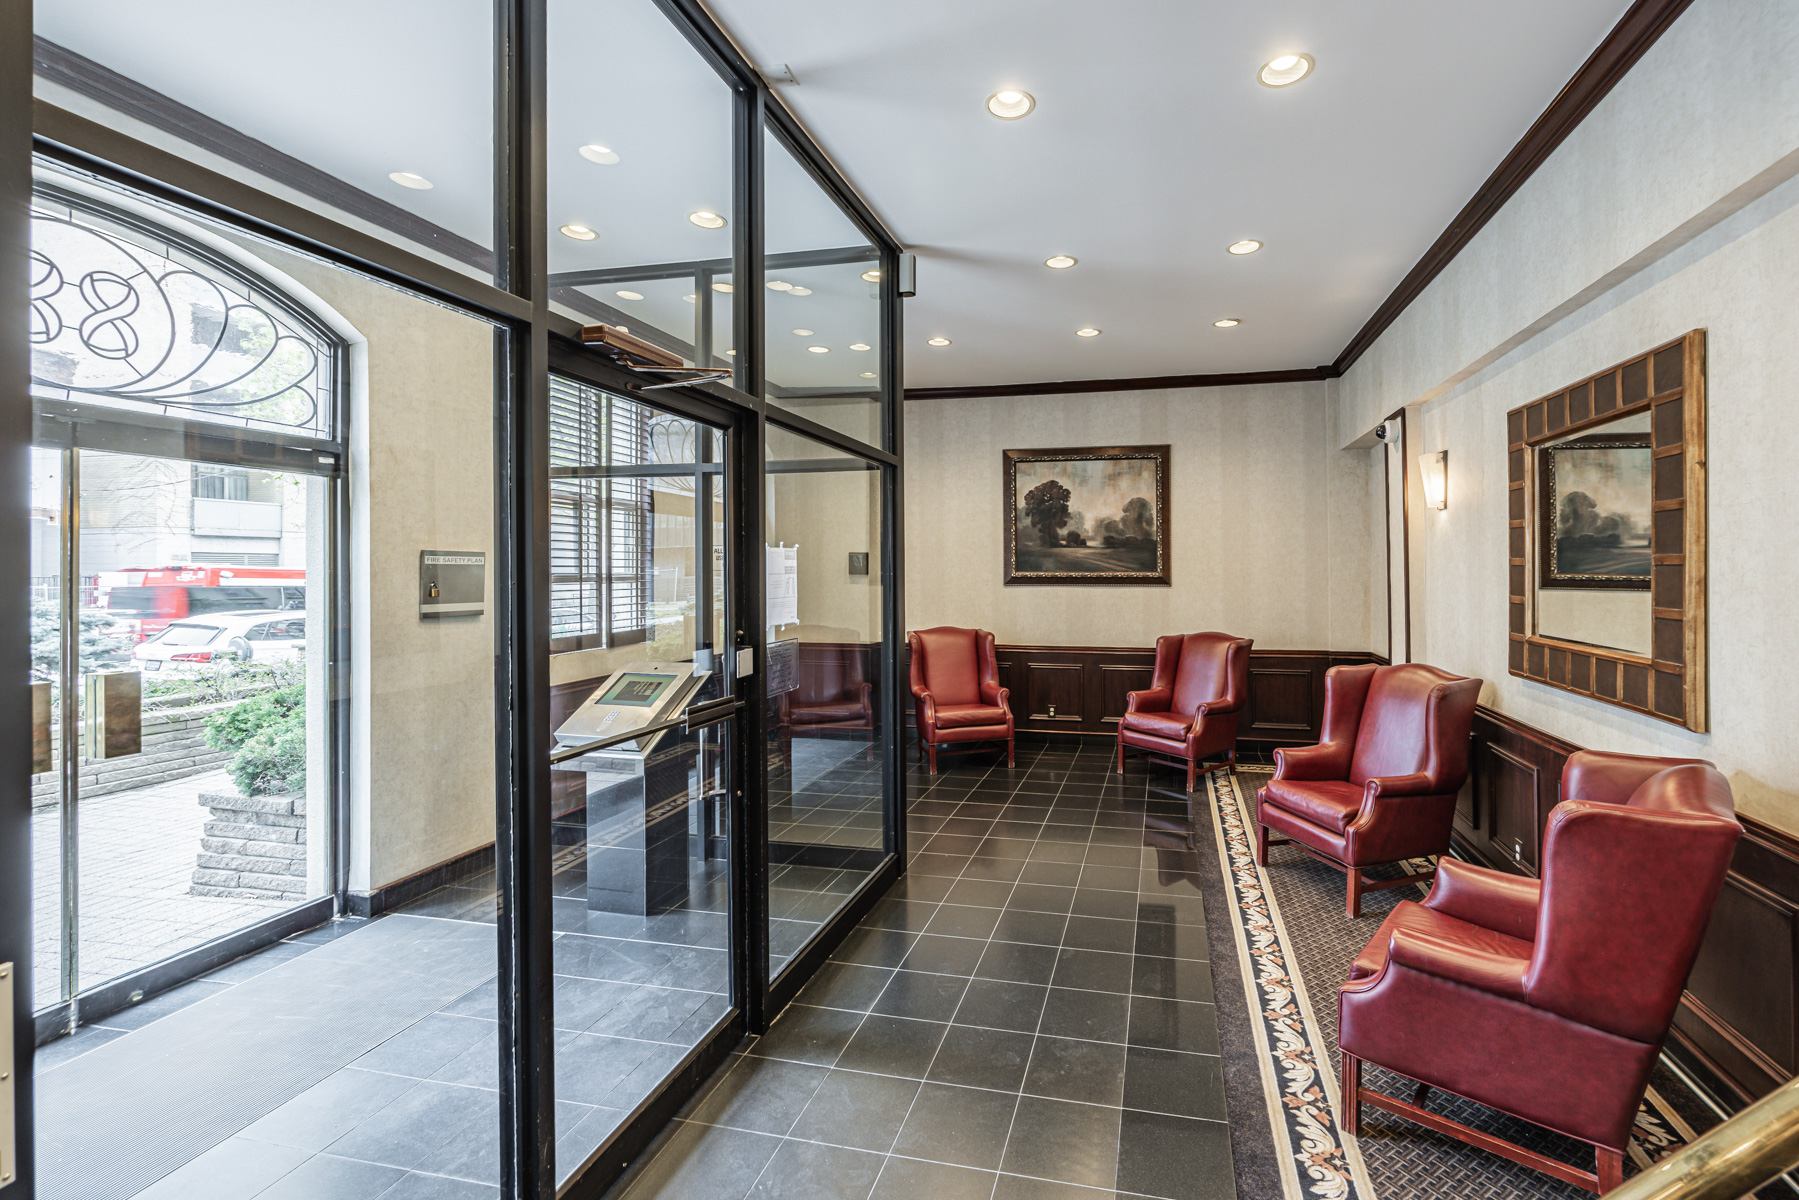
x=266, y=738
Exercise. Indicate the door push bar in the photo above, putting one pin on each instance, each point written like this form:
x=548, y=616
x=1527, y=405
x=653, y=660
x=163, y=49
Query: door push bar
x=635, y=354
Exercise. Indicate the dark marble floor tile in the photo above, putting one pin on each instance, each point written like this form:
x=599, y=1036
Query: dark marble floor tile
x=921, y=996
x=1040, y=897
x=1017, y=962
x=911, y=1179
x=1051, y=874
x=845, y=985
x=1094, y=902
x=809, y=1171
x=965, y=1126
x=1175, y=1157
x=985, y=1058
x=1168, y=1081
x=893, y=1046
x=1174, y=1025
x=1064, y=1141
x=1002, y=1004
x=984, y=893
x=854, y=1109
x=944, y=955
x=1093, y=970
x=763, y=1095
x=1067, y=1069
x=1172, y=978
x=875, y=947
x=957, y=920
x=810, y=1035
x=704, y=1162
x=1096, y=1016
x=1035, y=928
x=1101, y=933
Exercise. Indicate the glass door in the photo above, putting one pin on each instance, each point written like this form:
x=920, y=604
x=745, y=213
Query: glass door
x=179, y=626
x=644, y=710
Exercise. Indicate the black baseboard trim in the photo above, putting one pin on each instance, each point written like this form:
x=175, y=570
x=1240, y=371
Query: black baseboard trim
x=390, y=896
x=128, y=991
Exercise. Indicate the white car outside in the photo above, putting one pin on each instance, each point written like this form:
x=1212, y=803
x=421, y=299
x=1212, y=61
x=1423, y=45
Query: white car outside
x=196, y=644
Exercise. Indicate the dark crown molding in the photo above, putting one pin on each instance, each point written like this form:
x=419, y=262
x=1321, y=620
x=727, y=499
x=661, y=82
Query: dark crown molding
x=1628, y=41
x=1143, y=384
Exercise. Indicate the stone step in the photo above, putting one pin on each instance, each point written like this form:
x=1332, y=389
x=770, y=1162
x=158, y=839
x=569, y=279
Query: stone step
x=248, y=864
x=273, y=852
x=256, y=832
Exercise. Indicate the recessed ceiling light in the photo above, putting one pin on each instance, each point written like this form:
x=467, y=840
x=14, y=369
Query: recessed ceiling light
x=799, y=291
x=417, y=183
x=723, y=287
x=1246, y=246
x=802, y=333
x=819, y=349
x=706, y=220
x=938, y=342
x=691, y=299
x=1087, y=332
x=1010, y=104
x=860, y=346
x=1060, y=262
x=580, y=233
x=1288, y=68
x=599, y=154
x=732, y=353
x=873, y=276
x=627, y=294
x=868, y=374
x=1228, y=323
x=622, y=328
x=779, y=285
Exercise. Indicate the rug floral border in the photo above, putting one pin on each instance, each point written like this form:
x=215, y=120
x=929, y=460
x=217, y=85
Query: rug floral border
x=1316, y=1161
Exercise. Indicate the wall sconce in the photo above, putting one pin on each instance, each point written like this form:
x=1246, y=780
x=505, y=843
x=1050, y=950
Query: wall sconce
x=1433, y=470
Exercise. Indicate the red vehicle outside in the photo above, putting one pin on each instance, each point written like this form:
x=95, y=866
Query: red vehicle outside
x=152, y=597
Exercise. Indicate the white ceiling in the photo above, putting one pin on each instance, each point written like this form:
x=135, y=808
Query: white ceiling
x=1152, y=148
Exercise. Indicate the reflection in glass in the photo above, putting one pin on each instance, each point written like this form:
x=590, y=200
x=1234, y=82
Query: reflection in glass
x=379, y=116
x=824, y=306
x=1592, y=539
x=639, y=179
x=826, y=816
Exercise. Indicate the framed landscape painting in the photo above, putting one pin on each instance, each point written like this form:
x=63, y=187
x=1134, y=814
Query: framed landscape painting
x=1596, y=513
x=1087, y=517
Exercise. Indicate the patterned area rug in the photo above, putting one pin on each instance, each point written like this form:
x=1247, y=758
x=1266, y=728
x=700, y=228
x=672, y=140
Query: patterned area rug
x=1293, y=945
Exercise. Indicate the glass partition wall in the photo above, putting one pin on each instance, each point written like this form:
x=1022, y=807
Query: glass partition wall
x=310, y=515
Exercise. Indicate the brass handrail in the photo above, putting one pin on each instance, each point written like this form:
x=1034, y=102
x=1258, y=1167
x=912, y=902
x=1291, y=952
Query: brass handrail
x=1732, y=1160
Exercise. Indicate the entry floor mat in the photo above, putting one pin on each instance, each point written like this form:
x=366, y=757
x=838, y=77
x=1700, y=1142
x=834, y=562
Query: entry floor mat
x=1293, y=945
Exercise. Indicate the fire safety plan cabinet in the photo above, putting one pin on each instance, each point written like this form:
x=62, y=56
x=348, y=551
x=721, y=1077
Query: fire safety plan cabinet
x=649, y=803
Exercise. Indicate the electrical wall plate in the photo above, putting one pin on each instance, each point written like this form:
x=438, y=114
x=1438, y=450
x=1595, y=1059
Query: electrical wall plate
x=858, y=562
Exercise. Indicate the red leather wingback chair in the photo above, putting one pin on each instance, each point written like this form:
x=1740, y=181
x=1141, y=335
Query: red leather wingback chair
x=1381, y=787
x=831, y=690
x=1194, y=699
x=1550, y=1000
x=956, y=691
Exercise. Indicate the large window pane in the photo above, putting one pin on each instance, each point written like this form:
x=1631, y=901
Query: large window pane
x=827, y=828
x=639, y=179
x=377, y=115
x=223, y=541
x=824, y=309
x=642, y=884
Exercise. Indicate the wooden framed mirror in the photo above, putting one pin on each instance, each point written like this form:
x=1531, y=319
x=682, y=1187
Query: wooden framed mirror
x=1606, y=544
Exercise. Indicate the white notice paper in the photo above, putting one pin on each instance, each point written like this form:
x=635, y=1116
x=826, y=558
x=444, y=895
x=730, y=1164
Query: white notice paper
x=783, y=584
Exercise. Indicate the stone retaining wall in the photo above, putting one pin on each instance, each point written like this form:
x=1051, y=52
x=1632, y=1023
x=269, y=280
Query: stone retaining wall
x=254, y=847
x=174, y=748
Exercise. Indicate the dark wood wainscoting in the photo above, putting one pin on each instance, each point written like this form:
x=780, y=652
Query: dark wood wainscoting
x=1081, y=689
x=1739, y=1018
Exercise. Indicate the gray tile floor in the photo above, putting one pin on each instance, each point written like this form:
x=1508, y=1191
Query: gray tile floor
x=1028, y=1014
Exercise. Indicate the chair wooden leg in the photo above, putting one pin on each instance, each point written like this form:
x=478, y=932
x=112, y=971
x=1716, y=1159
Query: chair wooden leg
x=1192, y=770
x=1610, y=1165
x=1351, y=1087
x=931, y=750
x=1353, y=902
x=1121, y=756
x=1011, y=753
x=1262, y=845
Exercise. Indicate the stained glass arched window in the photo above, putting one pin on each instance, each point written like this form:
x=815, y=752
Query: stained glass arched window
x=134, y=316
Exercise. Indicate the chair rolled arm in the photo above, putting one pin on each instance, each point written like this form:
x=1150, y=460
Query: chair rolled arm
x=992, y=693
x=1418, y=783
x=1002, y=698
x=1324, y=761
x=1491, y=899
x=1148, y=700
x=1499, y=974
x=927, y=706
x=1219, y=707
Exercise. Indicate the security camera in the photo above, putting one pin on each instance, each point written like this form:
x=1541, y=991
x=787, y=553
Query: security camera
x=1380, y=431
